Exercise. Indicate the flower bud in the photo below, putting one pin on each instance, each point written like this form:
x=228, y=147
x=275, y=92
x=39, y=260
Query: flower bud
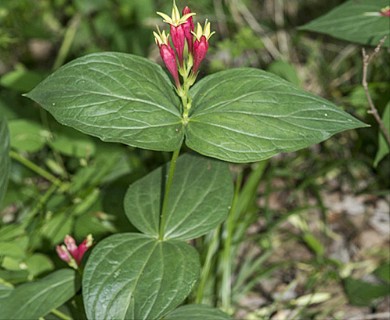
x=200, y=50
x=83, y=248
x=178, y=40
x=188, y=28
x=168, y=56
x=70, y=243
x=201, y=44
x=63, y=253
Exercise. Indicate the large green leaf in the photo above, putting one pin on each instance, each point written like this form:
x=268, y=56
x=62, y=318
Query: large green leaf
x=201, y=193
x=36, y=299
x=197, y=312
x=117, y=97
x=383, y=148
x=245, y=115
x=356, y=21
x=131, y=276
x=4, y=158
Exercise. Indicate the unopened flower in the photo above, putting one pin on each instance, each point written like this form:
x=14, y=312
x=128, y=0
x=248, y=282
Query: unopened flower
x=167, y=54
x=178, y=40
x=201, y=44
x=71, y=253
x=188, y=27
x=385, y=11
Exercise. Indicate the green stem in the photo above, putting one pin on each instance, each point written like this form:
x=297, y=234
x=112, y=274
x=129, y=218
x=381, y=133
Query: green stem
x=168, y=185
x=60, y=314
x=41, y=202
x=67, y=42
x=212, y=249
x=227, y=251
x=32, y=166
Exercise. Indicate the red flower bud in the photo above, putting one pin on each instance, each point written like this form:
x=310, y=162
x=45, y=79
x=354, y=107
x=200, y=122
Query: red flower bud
x=81, y=250
x=168, y=56
x=188, y=29
x=200, y=49
x=63, y=253
x=178, y=40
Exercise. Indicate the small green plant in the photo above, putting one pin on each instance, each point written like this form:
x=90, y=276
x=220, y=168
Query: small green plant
x=235, y=116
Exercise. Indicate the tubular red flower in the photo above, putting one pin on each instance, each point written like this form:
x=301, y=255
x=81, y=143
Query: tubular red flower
x=188, y=27
x=178, y=40
x=200, y=50
x=168, y=56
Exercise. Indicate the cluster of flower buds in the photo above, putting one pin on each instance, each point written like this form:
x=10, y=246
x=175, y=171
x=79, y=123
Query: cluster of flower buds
x=385, y=11
x=189, y=47
x=71, y=253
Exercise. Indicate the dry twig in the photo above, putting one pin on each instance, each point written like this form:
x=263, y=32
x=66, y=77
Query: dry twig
x=367, y=58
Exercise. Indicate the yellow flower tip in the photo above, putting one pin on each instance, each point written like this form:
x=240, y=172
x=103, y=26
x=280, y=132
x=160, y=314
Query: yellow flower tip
x=89, y=240
x=175, y=12
x=175, y=19
x=203, y=31
x=166, y=18
x=157, y=38
x=160, y=37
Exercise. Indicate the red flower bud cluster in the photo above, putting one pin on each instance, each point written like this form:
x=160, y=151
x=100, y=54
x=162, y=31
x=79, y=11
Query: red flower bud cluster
x=72, y=253
x=188, y=48
x=385, y=12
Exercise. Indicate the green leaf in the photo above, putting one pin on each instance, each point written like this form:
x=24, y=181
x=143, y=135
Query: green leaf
x=38, y=263
x=383, y=148
x=117, y=97
x=26, y=135
x=72, y=143
x=11, y=231
x=36, y=299
x=202, y=191
x=246, y=115
x=54, y=230
x=100, y=168
x=10, y=249
x=13, y=276
x=362, y=293
x=5, y=290
x=383, y=272
x=197, y=312
x=21, y=79
x=131, y=276
x=356, y=21
x=285, y=70
x=4, y=158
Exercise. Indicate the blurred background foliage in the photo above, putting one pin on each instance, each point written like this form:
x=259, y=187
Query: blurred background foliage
x=309, y=232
